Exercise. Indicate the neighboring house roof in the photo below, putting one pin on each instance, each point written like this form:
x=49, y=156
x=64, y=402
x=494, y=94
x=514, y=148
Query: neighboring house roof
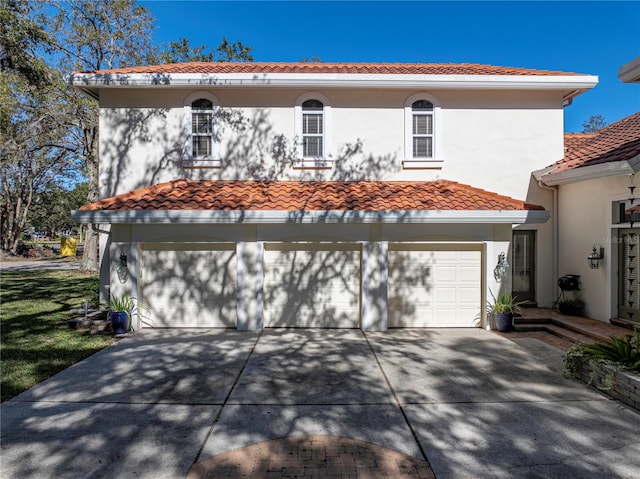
x=343, y=68
x=218, y=198
x=617, y=142
x=630, y=72
x=613, y=150
x=573, y=141
x=352, y=75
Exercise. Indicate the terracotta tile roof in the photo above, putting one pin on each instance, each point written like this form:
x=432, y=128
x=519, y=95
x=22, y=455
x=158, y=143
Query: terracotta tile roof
x=345, y=68
x=574, y=140
x=185, y=194
x=619, y=141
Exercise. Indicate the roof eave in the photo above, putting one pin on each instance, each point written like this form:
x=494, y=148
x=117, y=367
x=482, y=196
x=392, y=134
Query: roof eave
x=573, y=85
x=584, y=173
x=308, y=217
x=630, y=72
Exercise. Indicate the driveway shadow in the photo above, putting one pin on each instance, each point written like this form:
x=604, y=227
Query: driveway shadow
x=472, y=403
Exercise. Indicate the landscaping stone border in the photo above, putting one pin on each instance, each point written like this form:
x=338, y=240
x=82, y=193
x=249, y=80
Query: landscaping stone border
x=612, y=380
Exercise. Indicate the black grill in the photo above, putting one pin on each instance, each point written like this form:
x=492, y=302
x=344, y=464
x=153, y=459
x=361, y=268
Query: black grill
x=569, y=282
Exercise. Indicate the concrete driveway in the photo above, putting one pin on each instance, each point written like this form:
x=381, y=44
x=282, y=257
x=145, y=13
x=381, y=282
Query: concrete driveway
x=473, y=404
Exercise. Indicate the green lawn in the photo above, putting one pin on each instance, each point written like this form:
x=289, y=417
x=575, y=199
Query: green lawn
x=35, y=342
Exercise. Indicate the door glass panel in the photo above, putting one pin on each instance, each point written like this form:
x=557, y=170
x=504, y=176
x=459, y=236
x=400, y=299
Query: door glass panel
x=523, y=268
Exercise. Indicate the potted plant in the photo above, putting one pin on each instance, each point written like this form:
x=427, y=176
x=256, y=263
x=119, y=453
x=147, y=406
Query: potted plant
x=120, y=309
x=503, y=308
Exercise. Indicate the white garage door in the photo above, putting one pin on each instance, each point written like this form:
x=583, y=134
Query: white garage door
x=186, y=286
x=313, y=285
x=434, y=286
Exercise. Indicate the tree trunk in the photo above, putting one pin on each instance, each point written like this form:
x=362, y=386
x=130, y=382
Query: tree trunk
x=91, y=252
x=14, y=216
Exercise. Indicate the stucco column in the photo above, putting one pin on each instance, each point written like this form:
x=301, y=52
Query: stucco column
x=124, y=277
x=249, y=285
x=104, y=265
x=375, y=274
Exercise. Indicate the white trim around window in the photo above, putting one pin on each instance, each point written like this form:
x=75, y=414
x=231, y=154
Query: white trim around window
x=324, y=159
x=209, y=134
x=433, y=135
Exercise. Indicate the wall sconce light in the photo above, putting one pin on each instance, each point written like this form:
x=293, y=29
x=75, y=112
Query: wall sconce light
x=502, y=268
x=596, y=255
x=121, y=268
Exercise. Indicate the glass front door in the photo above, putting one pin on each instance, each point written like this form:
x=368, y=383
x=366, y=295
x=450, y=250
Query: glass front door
x=523, y=268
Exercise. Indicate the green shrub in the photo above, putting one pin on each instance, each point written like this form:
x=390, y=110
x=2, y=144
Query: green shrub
x=504, y=303
x=624, y=351
x=573, y=360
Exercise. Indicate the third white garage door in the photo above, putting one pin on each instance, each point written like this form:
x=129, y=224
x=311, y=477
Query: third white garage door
x=313, y=285
x=434, y=286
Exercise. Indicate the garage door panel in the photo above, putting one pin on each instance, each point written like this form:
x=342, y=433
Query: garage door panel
x=445, y=295
x=446, y=273
x=193, y=287
x=434, y=288
x=469, y=274
x=312, y=286
x=469, y=296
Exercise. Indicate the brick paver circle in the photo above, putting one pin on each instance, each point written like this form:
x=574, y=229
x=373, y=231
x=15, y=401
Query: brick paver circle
x=312, y=457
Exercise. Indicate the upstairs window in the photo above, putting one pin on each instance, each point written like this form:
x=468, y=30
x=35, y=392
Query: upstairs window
x=201, y=128
x=422, y=132
x=312, y=129
x=201, y=146
x=422, y=111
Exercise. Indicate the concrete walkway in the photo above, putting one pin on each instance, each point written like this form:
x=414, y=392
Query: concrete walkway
x=405, y=403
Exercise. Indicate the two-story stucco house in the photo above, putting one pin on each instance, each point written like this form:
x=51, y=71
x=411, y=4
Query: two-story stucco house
x=369, y=196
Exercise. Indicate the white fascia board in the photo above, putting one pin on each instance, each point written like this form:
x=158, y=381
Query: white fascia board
x=584, y=173
x=352, y=80
x=539, y=175
x=309, y=217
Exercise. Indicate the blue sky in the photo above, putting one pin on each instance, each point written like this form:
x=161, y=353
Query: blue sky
x=591, y=37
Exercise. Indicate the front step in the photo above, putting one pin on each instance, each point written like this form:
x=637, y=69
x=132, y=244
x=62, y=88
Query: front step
x=558, y=331
x=623, y=323
x=566, y=328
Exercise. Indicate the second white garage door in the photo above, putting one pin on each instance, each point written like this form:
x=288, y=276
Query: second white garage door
x=431, y=286
x=186, y=286
x=313, y=285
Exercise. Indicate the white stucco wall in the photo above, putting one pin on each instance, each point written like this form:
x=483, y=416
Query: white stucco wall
x=585, y=217
x=486, y=137
x=546, y=273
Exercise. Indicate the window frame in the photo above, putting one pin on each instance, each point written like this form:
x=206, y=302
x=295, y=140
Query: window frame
x=436, y=159
x=188, y=159
x=326, y=159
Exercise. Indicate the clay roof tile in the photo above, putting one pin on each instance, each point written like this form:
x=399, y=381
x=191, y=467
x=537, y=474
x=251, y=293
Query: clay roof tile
x=213, y=68
x=619, y=141
x=299, y=195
